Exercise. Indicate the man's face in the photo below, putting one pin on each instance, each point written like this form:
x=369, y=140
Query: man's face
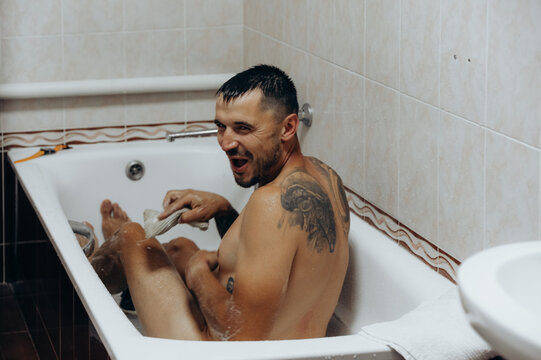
x=250, y=137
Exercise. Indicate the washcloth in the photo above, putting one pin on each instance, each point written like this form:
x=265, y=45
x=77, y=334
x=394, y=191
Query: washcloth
x=435, y=330
x=154, y=227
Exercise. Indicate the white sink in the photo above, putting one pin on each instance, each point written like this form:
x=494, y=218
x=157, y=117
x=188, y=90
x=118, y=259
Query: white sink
x=500, y=289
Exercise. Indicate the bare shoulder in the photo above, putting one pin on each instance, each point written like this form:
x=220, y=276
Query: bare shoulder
x=307, y=206
x=336, y=187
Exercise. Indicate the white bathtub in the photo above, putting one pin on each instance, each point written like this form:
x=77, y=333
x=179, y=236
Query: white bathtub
x=383, y=281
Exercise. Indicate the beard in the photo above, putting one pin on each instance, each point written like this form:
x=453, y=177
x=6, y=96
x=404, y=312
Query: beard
x=262, y=165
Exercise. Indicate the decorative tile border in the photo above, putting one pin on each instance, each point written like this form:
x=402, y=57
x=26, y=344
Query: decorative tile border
x=420, y=247
x=100, y=135
x=30, y=139
x=94, y=136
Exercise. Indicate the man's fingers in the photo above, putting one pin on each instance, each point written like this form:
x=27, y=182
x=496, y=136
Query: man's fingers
x=171, y=196
x=190, y=215
x=173, y=206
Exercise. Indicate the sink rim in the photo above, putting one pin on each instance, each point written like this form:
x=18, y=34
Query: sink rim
x=483, y=298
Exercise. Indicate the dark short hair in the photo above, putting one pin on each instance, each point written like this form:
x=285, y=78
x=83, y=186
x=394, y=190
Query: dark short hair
x=279, y=92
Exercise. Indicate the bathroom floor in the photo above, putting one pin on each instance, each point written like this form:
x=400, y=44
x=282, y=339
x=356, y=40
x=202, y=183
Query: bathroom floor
x=15, y=339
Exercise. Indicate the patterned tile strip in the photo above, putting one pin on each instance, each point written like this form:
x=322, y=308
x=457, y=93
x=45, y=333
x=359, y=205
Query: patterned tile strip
x=422, y=248
x=98, y=135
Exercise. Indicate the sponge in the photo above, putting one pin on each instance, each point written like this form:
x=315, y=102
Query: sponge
x=154, y=227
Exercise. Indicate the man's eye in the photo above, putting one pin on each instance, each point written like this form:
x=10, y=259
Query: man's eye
x=244, y=128
x=219, y=125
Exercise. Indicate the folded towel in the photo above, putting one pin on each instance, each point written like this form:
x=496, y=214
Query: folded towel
x=435, y=330
x=154, y=227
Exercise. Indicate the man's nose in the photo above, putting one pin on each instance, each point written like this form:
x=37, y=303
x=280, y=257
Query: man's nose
x=228, y=140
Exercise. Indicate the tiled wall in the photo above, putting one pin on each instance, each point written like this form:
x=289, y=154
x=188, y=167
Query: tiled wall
x=430, y=109
x=55, y=40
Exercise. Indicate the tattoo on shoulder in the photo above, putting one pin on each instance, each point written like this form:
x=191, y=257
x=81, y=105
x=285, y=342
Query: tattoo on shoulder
x=309, y=208
x=336, y=186
x=230, y=285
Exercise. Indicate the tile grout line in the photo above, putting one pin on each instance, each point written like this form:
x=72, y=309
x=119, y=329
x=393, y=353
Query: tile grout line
x=439, y=137
x=125, y=70
x=185, y=49
x=399, y=119
x=485, y=132
x=63, y=59
x=364, y=103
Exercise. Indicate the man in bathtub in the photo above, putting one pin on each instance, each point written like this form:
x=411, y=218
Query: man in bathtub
x=281, y=263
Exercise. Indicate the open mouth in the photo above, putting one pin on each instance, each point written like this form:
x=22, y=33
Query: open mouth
x=239, y=164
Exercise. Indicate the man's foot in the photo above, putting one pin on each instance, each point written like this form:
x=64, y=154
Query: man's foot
x=113, y=217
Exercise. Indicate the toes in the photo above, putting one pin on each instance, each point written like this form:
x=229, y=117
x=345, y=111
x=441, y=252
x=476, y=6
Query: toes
x=106, y=208
x=118, y=213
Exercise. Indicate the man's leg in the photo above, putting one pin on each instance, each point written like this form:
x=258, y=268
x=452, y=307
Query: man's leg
x=158, y=292
x=180, y=250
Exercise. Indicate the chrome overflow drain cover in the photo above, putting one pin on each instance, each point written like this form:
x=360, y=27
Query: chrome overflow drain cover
x=135, y=170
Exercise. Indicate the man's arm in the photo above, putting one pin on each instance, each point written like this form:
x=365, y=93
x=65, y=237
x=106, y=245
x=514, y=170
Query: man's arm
x=262, y=271
x=204, y=206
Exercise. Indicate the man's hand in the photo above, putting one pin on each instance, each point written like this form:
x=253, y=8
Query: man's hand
x=204, y=206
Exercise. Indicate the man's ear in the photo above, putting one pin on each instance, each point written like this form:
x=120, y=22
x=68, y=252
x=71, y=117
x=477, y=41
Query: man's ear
x=289, y=127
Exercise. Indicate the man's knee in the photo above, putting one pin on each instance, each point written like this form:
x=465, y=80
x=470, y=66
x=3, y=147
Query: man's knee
x=179, y=251
x=130, y=233
x=179, y=246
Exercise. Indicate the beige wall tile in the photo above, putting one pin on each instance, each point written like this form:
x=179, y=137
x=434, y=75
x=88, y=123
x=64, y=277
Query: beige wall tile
x=514, y=69
x=253, y=13
x=155, y=53
x=295, y=63
x=419, y=49
x=463, y=58
x=31, y=115
x=512, y=191
x=321, y=23
x=461, y=187
x=349, y=34
x=93, y=56
x=31, y=59
x=317, y=140
x=381, y=159
x=347, y=157
x=295, y=24
x=90, y=16
x=155, y=108
x=382, y=41
x=418, y=166
x=252, y=48
x=200, y=105
x=225, y=54
x=213, y=12
x=29, y=18
x=94, y=111
x=152, y=15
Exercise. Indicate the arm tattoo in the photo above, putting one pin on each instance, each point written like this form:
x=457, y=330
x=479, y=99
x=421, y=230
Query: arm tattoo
x=310, y=209
x=230, y=285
